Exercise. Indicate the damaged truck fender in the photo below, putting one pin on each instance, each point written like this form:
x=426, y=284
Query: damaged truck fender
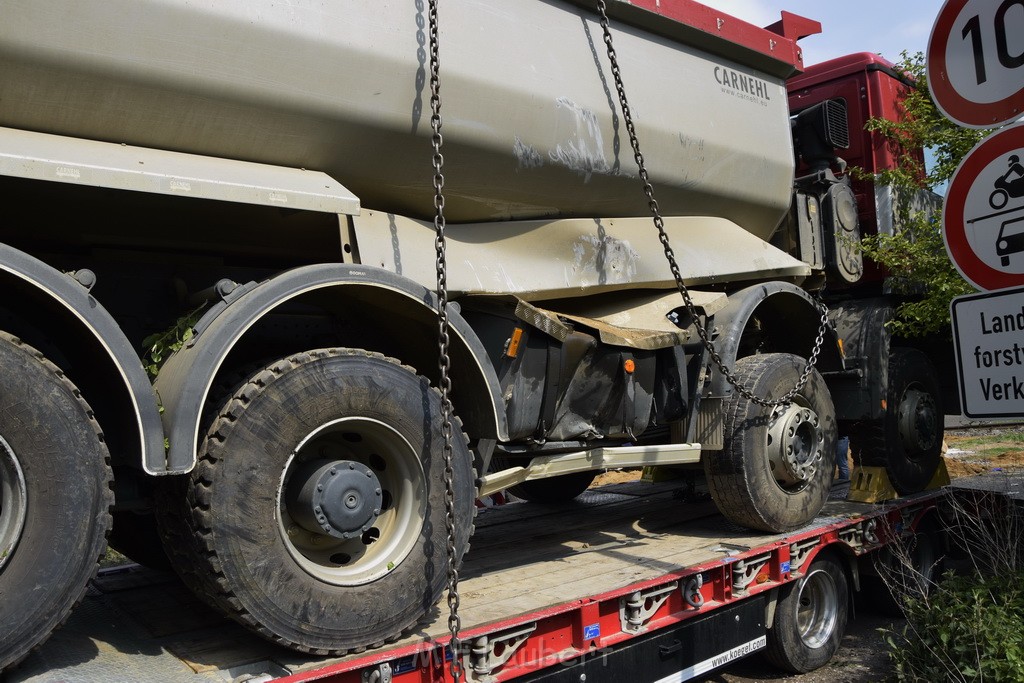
x=185, y=381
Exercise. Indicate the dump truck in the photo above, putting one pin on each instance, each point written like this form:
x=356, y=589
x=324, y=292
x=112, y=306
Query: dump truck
x=220, y=270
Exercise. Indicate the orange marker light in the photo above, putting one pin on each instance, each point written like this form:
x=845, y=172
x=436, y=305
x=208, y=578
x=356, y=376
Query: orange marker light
x=513, y=343
x=629, y=366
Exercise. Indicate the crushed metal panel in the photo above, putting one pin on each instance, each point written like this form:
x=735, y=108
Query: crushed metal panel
x=554, y=259
x=41, y=156
x=545, y=321
x=639, y=322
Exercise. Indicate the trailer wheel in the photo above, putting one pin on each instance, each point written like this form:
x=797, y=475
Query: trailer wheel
x=317, y=507
x=810, y=618
x=775, y=471
x=911, y=570
x=907, y=441
x=55, y=498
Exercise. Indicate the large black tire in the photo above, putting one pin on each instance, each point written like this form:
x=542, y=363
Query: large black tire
x=334, y=570
x=810, y=618
x=910, y=566
x=554, y=490
x=757, y=481
x=136, y=537
x=907, y=441
x=547, y=491
x=55, y=498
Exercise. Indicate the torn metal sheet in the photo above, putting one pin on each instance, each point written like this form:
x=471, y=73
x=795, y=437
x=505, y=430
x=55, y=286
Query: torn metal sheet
x=634, y=322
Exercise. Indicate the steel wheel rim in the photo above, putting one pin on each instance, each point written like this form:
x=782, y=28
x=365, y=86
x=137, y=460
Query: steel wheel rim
x=817, y=608
x=795, y=445
x=13, y=501
x=917, y=418
x=391, y=535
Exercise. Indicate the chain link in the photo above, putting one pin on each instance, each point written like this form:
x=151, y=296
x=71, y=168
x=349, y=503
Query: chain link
x=444, y=362
x=659, y=223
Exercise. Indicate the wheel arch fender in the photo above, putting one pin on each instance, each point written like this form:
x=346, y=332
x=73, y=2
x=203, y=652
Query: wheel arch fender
x=789, y=319
x=79, y=327
x=360, y=294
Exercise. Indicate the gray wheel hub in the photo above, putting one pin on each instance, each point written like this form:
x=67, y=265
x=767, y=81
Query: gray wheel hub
x=341, y=498
x=13, y=501
x=795, y=444
x=352, y=501
x=917, y=417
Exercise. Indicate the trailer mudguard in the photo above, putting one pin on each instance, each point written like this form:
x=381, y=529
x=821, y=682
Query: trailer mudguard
x=186, y=378
x=84, y=318
x=770, y=317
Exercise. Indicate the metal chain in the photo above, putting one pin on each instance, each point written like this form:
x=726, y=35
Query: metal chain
x=444, y=363
x=659, y=223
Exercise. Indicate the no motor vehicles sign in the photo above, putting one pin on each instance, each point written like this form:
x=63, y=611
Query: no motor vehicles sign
x=983, y=214
x=989, y=333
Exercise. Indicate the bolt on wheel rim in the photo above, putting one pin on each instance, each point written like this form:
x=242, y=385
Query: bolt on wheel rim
x=352, y=501
x=818, y=609
x=13, y=501
x=795, y=445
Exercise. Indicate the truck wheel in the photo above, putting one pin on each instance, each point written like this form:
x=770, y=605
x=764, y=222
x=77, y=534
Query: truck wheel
x=551, y=491
x=55, y=498
x=775, y=471
x=135, y=536
x=907, y=441
x=810, y=618
x=555, y=490
x=317, y=511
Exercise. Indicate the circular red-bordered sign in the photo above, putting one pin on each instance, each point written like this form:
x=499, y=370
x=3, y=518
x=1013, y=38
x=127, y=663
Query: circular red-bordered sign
x=974, y=72
x=983, y=213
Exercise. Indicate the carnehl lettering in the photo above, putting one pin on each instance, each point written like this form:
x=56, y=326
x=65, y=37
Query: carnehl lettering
x=1002, y=391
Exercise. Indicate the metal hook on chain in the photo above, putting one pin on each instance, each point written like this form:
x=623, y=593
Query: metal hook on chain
x=659, y=223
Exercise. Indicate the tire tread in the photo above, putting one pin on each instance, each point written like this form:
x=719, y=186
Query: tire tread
x=105, y=519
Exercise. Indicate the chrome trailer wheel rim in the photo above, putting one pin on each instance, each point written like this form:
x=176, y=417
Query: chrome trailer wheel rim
x=818, y=608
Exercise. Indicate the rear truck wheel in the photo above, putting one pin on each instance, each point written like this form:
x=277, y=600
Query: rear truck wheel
x=810, y=618
x=555, y=490
x=907, y=441
x=136, y=537
x=775, y=471
x=55, y=498
x=316, y=513
x=552, y=491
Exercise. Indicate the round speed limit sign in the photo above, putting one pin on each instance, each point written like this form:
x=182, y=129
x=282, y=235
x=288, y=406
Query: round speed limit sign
x=975, y=61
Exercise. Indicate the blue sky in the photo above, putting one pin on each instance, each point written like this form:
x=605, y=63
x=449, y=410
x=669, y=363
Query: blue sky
x=882, y=26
